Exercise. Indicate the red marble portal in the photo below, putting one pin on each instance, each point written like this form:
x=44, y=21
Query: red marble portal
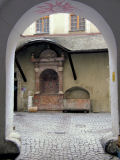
x=49, y=102
x=48, y=81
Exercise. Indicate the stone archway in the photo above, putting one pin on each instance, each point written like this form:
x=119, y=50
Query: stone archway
x=17, y=23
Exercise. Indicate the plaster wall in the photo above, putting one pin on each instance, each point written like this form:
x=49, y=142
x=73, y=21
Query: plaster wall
x=25, y=89
x=59, y=23
x=93, y=28
x=90, y=27
x=92, y=74
x=31, y=30
x=72, y=42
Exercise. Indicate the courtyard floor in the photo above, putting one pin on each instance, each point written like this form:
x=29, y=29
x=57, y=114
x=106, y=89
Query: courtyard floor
x=62, y=136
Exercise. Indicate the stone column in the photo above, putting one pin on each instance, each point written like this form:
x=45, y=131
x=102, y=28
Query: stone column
x=37, y=79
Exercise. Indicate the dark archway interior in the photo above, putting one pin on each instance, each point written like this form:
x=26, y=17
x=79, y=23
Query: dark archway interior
x=49, y=82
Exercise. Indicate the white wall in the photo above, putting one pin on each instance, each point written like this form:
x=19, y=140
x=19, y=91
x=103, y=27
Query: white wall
x=59, y=23
x=31, y=30
x=90, y=27
x=93, y=28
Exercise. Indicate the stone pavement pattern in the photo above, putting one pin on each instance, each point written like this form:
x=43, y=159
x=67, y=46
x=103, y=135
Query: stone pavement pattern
x=62, y=136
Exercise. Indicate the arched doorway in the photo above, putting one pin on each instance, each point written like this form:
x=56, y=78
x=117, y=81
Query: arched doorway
x=49, y=97
x=7, y=60
x=49, y=83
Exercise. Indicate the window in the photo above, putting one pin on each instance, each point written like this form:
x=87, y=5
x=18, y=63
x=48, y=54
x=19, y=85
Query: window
x=42, y=25
x=77, y=23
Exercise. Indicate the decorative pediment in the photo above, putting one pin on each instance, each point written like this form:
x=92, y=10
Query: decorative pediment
x=48, y=53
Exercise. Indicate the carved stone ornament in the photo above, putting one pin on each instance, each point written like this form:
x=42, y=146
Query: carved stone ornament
x=48, y=53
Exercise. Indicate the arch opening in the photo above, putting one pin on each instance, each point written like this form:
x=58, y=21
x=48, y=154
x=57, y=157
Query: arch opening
x=19, y=27
x=80, y=9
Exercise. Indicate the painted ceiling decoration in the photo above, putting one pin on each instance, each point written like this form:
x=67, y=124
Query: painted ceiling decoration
x=56, y=6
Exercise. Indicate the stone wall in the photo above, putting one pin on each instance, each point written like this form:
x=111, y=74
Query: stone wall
x=93, y=75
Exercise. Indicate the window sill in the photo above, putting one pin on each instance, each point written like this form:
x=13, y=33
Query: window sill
x=41, y=33
x=77, y=31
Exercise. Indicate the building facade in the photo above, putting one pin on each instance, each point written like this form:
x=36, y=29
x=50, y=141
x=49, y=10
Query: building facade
x=65, y=92
x=61, y=23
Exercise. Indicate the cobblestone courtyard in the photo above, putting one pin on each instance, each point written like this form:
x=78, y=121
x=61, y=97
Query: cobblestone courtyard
x=62, y=136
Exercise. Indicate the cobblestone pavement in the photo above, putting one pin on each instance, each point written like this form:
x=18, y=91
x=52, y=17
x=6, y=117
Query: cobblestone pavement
x=62, y=136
